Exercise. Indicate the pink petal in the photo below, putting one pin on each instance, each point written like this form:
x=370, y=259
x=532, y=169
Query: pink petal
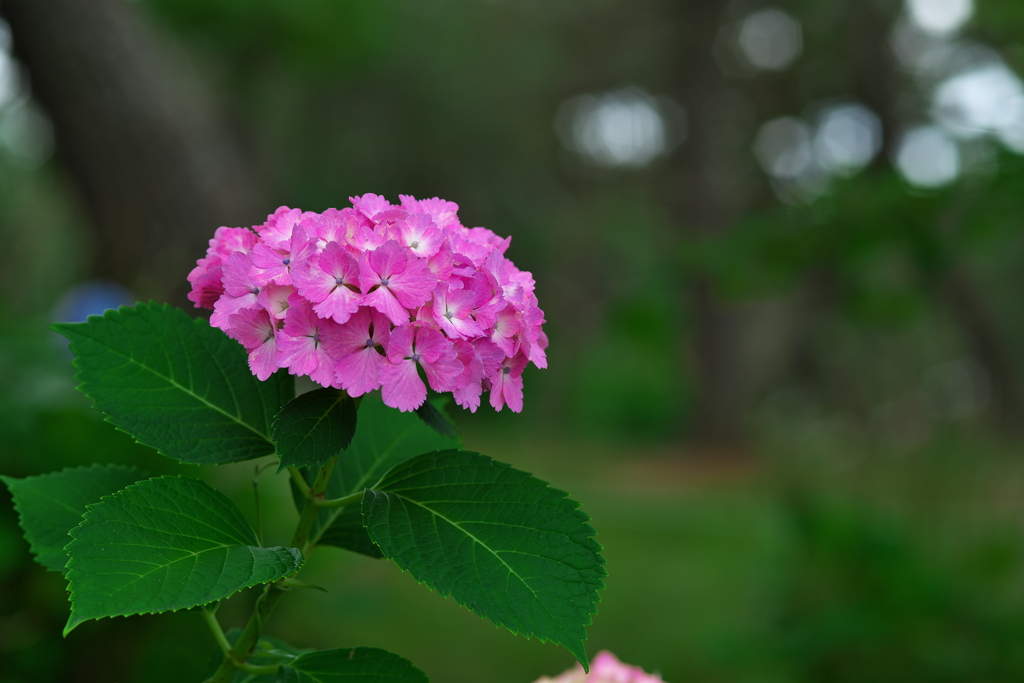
x=311, y=281
x=339, y=305
x=365, y=327
x=507, y=384
x=490, y=355
x=402, y=387
x=271, y=265
x=420, y=235
x=250, y=328
x=276, y=299
x=359, y=371
x=401, y=343
x=336, y=226
x=239, y=277
x=277, y=231
x=468, y=396
x=452, y=311
x=263, y=360
x=506, y=389
x=441, y=263
x=370, y=204
x=441, y=212
x=505, y=328
x=207, y=286
x=384, y=301
x=226, y=306
x=298, y=354
x=443, y=374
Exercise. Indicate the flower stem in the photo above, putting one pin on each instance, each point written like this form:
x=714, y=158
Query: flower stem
x=234, y=658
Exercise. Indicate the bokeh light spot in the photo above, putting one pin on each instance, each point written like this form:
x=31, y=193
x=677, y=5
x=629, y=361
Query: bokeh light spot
x=621, y=128
x=928, y=157
x=988, y=99
x=783, y=147
x=940, y=16
x=770, y=39
x=848, y=138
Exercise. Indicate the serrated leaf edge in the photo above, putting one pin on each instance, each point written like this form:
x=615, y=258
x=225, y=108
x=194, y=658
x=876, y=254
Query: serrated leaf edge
x=584, y=518
x=17, y=508
x=58, y=327
x=72, y=624
x=273, y=425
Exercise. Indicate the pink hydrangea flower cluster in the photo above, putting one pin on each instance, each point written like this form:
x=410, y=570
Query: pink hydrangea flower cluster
x=365, y=297
x=606, y=668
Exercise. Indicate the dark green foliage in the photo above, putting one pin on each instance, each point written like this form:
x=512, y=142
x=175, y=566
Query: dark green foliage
x=314, y=427
x=356, y=665
x=50, y=505
x=165, y=544
x=347, y=531
x=385, y=437
x=500, y=541
x=436, y=418
x=269, y=651
x=176, y=384
x=861, y=590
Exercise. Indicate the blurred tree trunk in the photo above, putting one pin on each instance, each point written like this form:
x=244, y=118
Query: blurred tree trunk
x=988, y=347
x=145, y=140
x=701, y=192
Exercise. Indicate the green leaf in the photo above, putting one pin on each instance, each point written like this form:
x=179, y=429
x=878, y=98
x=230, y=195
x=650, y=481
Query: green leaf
x=165, y=544
x=356, y=665
x=432, y=413
x=314, y=427
x=385, y=437
x=176, y=384
x=500, y=541
x=342, y=528
x=50, y=505
x=268, y=651
x=347, y=531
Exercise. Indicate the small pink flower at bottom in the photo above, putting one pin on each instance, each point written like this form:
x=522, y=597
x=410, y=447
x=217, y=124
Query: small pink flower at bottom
x=606, y=668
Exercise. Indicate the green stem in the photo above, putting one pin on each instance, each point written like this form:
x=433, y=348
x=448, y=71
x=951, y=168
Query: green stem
x=234, y=658
x=218, y=632
x=259, y=670
x=338, y=502
x=299, y=481
x=310, y=509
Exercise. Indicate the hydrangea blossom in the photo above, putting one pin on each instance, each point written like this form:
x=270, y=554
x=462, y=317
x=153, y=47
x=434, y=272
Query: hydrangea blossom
x=606, y=668
x=377, y=296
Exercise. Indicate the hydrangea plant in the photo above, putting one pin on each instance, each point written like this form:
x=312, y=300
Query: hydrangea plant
x=373, y=296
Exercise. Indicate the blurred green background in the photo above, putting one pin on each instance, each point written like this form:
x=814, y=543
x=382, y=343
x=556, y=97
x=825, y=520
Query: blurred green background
x=779, y=247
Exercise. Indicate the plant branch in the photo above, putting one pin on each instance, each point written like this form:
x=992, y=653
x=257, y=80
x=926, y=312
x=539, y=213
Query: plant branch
x=338, y=502
x=259, y=670
x=235, y=658
x=299, y=481
x=218, y=633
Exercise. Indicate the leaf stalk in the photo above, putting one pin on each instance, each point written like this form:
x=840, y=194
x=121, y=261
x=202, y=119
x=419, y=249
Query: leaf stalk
x=338, y=502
